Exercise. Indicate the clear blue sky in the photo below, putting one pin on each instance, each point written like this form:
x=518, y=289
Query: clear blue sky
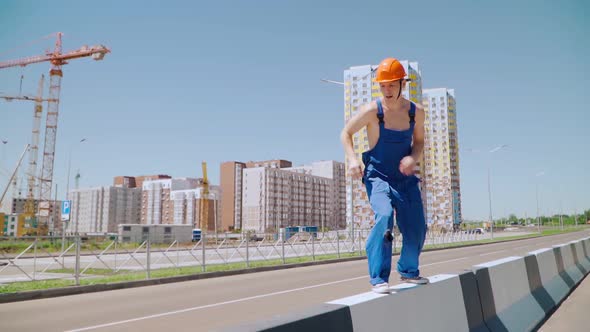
x=240, y=80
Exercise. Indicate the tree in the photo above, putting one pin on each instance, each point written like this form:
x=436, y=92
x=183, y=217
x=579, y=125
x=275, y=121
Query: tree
x=512, y=219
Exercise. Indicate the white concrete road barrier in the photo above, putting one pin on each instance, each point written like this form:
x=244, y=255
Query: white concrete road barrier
x=510, y=294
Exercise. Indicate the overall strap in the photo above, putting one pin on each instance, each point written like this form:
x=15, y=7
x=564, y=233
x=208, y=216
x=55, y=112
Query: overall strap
x=380, y=112
x=412, y=113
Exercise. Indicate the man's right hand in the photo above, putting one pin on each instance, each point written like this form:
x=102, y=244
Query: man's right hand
x=355, y=170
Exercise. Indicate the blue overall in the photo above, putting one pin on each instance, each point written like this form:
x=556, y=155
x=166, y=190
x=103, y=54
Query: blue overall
x=389, y=189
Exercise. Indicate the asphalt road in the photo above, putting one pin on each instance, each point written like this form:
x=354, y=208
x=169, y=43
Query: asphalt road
x=210, y=304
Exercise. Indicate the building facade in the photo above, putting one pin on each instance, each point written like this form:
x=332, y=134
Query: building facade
x=55, y=224
x=12, y=225
x=156, y=233
x=231, y=173
x=231, y=178
x=137, y=181
x=102, y=209
x=441, y=158
x=298, y=196
x=178, y=202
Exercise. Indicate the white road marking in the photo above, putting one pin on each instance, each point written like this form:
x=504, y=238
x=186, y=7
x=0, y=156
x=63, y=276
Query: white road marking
x=213, y=305
x=447, y=261
x=491, y=253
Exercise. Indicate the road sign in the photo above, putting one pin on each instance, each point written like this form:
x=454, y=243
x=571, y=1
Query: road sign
x=65, y=210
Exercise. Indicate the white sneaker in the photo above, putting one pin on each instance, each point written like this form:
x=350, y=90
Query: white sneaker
x=416, y=280
x=382, y=288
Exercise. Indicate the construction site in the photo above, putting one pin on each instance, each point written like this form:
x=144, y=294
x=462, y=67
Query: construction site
x=36, y=210
x=36, y=213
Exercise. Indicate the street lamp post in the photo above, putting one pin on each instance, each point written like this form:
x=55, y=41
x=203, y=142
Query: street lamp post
x=351, y=180
x=70, y=167
x=537, y=197
x=538, y=219
x=68, y=184
x=496, y=149
x=490, y=204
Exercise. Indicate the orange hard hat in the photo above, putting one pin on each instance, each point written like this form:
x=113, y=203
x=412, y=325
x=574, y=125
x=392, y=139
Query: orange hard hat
x=390, y=70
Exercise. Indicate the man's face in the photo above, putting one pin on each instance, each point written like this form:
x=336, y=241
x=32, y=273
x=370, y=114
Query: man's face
x=390, y=90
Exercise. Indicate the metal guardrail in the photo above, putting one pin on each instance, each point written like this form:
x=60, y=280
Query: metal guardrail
x=42, y=258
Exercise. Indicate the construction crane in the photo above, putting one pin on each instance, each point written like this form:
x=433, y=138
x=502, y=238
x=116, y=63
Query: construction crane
x=204, y=201
x=57, y=59
x=14, y=173
x=33, y=151
x=29, y=210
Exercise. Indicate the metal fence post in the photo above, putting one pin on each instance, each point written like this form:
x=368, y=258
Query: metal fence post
x=203, y=247
x=116, y=242
x=35, y=259
x=338, y=243
x=360, y=244
x=283, y=239
x=148, y=255
x=247, y=251
x=77, y=264
x=312, y=246
x=227, y=245
x=177, y=254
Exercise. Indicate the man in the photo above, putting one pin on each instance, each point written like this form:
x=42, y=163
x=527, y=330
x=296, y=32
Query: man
x=395, y=129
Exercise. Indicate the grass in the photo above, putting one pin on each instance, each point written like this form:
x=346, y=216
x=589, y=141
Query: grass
x=103, y=276
x=545, y=232
x=108, y=276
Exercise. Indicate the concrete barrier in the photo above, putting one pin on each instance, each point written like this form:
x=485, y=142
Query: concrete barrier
x=510, y=294
x=586, y=247
x=506, y=299
x=582, y=262
x=326, y=317
x=566, y=263
x=545, y=278
x=448, y=303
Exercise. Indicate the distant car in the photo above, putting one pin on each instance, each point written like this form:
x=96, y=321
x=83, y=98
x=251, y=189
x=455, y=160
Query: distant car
x=479, y=231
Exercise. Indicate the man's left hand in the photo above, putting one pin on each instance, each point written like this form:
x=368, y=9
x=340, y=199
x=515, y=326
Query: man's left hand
x=407, y=165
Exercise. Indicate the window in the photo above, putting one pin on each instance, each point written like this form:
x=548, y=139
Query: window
x=167, y=230
x=126, y=228
x=145, y=229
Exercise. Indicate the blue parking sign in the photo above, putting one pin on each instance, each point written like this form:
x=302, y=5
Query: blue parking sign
x=65, y=210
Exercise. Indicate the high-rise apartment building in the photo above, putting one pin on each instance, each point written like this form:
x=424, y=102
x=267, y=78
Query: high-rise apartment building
x=102, y=209
x=231, y=175
x=441, y=158
x=176, y=201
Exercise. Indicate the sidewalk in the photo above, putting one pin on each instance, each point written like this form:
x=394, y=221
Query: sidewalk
x=572, y=315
